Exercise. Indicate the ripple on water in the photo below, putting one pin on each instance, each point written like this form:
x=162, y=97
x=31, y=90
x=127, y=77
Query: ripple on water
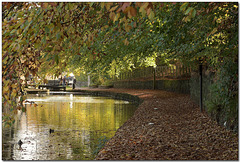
x=80, y=123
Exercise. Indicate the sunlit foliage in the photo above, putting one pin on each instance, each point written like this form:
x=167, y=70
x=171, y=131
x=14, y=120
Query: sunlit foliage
x=42, y=38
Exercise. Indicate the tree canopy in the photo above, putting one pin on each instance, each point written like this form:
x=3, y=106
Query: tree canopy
x=42, y=38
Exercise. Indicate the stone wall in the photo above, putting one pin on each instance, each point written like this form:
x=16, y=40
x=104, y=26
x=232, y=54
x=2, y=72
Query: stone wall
x=179, y=86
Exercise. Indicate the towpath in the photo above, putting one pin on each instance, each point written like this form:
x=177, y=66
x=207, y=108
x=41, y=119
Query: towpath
x=168, y=126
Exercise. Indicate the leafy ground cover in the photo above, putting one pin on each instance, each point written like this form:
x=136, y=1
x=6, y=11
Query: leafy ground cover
x=169, y=126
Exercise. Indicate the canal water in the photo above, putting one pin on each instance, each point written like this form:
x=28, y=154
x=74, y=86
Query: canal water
x=81, y=125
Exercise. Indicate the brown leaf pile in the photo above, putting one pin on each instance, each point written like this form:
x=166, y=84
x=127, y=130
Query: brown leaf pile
x=169, y=126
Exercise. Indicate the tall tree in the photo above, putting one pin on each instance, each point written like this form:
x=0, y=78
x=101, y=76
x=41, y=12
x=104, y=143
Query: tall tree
x=46, y=38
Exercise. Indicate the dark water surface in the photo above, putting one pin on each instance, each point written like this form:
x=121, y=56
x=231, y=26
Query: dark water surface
x=81, y=124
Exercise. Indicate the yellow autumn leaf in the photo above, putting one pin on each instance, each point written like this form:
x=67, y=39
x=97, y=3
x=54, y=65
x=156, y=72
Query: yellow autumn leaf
x=213, y=31
x=88, y=43
x=143, y=8
x=14, y=93
x=6, y=97
x=5, y=89
x=9, y=101
x=187, y=18
x=6, y=82
x=144, y=5
x=112, y=15
x=72, y=6
x=123, y=19
x=126, y=42
x=151, y=15
x=14, y=86
x=102, y=5
x=116, y=17
x=22, y=20
x=184, y=6
x=44, y=5
x=113, y=8
x=108, y=5
x=127, y=27
x=5, y=60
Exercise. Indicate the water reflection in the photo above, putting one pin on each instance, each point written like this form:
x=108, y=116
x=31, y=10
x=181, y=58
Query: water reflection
x=78, y=123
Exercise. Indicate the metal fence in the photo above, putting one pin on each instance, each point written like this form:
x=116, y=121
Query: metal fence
x=160, y=72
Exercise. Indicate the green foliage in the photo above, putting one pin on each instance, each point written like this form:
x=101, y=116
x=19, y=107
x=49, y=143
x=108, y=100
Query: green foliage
x=107, y=83
x=81, y=76
x=95, y=79
x=43, y=39
x=8, y=120
x=224, y=92
x=100, y=79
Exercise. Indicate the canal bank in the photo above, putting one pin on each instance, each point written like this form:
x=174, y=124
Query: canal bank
x=166, y=126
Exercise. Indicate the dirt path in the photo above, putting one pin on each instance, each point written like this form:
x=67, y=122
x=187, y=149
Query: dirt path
x=169, y=126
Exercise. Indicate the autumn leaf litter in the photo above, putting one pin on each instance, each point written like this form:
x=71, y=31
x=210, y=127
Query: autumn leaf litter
x=169, y=126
